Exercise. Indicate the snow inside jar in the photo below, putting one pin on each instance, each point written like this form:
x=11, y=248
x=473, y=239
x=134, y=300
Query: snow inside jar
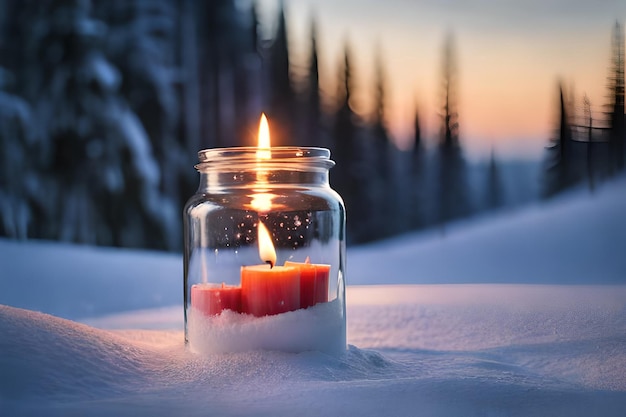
x=264, y=258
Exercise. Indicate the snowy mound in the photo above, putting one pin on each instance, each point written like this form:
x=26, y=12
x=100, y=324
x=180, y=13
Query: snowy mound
x=49, y=364
x=44, y=356
x=575, y=238
x=440, y=351
x=74, y=281
x=435, y=350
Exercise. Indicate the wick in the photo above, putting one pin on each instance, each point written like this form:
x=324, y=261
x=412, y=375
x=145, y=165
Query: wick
x=271, y=264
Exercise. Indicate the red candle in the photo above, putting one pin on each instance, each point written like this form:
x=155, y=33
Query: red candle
x=212, y=299
x=266, y=291
x=313, y=282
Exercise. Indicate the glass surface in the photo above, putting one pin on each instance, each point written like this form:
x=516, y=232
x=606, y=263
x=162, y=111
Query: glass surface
x=234, y=299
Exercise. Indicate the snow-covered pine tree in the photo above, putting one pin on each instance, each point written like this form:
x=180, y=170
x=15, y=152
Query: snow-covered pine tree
x=105, y=180
x=17, y=182
x=141, y=43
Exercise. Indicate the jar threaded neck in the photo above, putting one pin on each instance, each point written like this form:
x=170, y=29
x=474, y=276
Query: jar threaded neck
x=238, y=158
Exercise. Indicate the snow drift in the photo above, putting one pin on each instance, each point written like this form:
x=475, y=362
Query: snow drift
x=575, y=238
x=433, y=350
x=439, y=350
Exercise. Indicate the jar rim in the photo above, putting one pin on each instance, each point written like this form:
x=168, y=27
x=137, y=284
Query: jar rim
x=213, y=157
x=250, y=152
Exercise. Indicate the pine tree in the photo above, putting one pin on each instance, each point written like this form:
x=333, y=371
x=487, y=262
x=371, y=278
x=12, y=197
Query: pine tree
x=247, y=76
x=381, y=138
x=229, y=73
x=281, y=95
x=17, y=128
x=344, y=133
x=189, y=127
x=16, y=174
x=494, y=197
x=417, y=136
x=560, y=174
x=254, y=26
x=616, y=117
x=450, y=127
x=313, y=132
x=416, y=176
x=351, y=174
x=453, y=199
x=141, y=46
x=588, y=119
x=66, y=71
x=106, y=181
x=11, y=38
x=383, y=184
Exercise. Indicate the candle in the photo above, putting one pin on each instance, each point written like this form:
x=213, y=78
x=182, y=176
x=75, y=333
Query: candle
x=212, y=299
x=313, y=282
x=268, y=289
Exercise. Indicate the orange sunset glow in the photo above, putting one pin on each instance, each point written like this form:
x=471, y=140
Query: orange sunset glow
x=509, y=57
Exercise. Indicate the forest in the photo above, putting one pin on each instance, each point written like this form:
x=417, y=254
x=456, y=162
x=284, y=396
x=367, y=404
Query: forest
x=105, y=104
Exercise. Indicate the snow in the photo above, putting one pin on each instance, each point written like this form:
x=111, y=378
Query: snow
x=105, y=73
x=480, y=321
x=320, y=328
x=429, y=350
x=574, y=239
x=73, y=281
x=139, y=146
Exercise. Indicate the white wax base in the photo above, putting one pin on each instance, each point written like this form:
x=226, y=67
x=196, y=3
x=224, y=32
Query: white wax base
x=321, y=328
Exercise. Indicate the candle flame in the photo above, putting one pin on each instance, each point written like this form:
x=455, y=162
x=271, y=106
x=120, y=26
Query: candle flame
x=261, y=200
x=264, y=144
x=266, y=247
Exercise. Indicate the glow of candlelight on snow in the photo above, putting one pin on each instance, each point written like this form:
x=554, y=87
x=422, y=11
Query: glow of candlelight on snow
x=267, y=253
x=262, y=202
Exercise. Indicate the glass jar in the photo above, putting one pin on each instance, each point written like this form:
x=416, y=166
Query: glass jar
x=264, y=259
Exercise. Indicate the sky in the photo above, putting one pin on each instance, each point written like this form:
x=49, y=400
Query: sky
x=510, y=57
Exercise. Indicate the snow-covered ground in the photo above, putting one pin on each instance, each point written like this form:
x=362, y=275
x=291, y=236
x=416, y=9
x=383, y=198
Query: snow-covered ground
x=491, y=341
x=577, y=238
